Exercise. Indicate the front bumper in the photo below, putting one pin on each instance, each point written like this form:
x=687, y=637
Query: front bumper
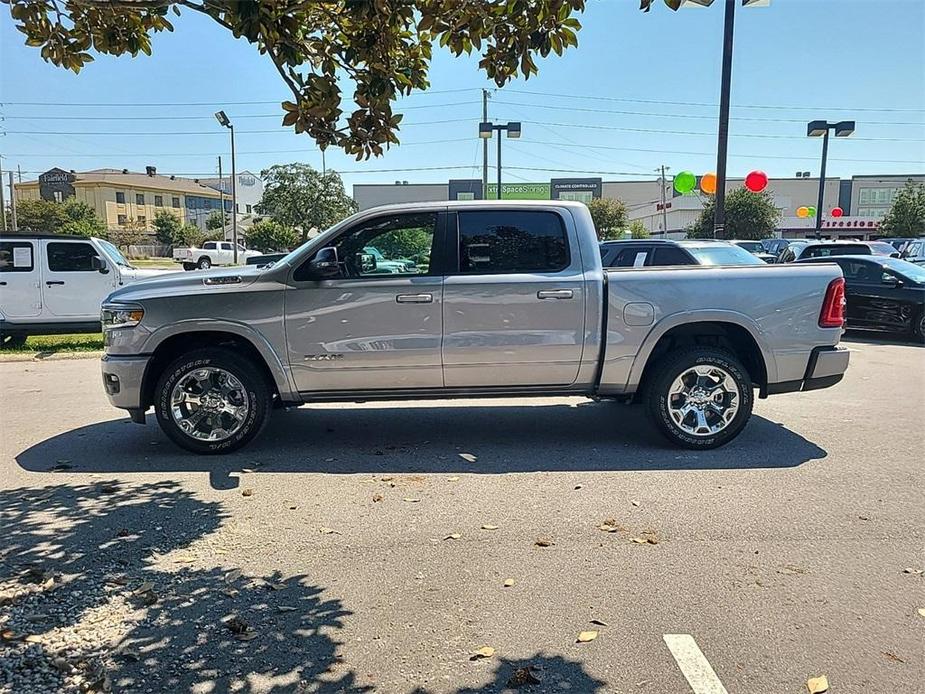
x=825, y=368
x=123, y=378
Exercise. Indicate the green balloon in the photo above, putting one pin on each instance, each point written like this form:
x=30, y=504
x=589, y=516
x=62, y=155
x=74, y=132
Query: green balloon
x=684, y=182
x=812, y=211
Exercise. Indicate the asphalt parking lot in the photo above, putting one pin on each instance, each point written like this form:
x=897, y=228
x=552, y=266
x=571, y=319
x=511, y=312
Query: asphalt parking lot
x=378, y=547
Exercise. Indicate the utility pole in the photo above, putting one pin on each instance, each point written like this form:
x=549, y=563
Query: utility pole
x=13, y=204
x=485, y=147
x=19, y=173
x=324, y=168
x=2, y=205
x=664, y=202
x=221, y=196
x=234, y=200
x=719, y=215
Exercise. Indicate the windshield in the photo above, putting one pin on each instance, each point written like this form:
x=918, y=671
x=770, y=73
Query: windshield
x=115, y=255
x=750, y=246
x=825, y=250
x=881, y=248
x=722, y=254
x=911, y=271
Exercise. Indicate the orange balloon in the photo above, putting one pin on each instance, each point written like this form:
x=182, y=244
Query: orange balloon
x=708, y=183
x=802, y=212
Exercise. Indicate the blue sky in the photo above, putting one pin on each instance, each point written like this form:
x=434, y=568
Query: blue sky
x=654, y=78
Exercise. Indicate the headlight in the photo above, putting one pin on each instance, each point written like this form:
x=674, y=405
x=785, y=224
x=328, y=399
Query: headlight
x=123, y=316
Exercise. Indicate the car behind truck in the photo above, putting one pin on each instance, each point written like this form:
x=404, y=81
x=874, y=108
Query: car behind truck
x=513, y=302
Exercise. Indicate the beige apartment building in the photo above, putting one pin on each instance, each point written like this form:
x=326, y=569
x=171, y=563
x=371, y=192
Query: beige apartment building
x=123, y=198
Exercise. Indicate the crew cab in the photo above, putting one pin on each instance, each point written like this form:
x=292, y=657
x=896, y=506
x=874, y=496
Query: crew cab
x=217, y=253
x=514, y=301
x=52, y=284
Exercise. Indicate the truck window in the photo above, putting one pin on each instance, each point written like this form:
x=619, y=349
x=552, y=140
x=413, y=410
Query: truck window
x=511, y=241
x=209, y=246
x=16, y=256
x=70, y=257
x=670, y=255
x=227, y=247
x=631, y=256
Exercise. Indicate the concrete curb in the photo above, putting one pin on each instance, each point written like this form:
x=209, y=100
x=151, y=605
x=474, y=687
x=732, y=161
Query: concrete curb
x=52, y=356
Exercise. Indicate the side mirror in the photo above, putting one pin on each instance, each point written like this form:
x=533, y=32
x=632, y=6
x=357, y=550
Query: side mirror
x=366, y=262
x=97, y=264
x=325, y=264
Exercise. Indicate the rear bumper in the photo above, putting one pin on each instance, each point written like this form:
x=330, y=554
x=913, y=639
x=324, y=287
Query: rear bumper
x=122, y=380
x=825, y=368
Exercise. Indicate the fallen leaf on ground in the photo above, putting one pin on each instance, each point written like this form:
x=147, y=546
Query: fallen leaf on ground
x=411, y=500
x=522, y=677
x=916, y=572
x=599, y=622
x=790, y=570
x=145, y=587
x=634, y=502
x=32, y=638
x=610, y=526
x=586, y=636
x=482, y=652
x=452, y=479
x=509, y=582
x=236, y=625
x=488, y=526
x=577, y=487
x=544, y=542
x=453, y=536
x=230, y=592
x=246, y=636
x=644, y=540
x=890, y=656
x=232, y=575
x=386, y=479
x=922, y=611
x=247, y=492
x=327, y=531
x=817, y=685
x=377, y=497
x=468, y=457
x=864, y=518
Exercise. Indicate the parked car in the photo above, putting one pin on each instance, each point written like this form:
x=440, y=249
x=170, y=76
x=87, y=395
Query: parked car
x=663, y=252
x=514, y=302
x=882, y=293
x=808, y=248
x=52, y=284
x=914, y=251
x=899, y=242
x=217, y=253
x=774, y=247
x=882, y=248
x=756, y=248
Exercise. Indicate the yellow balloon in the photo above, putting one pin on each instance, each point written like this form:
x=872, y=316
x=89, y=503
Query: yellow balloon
x=802, y=212
x=708, y=183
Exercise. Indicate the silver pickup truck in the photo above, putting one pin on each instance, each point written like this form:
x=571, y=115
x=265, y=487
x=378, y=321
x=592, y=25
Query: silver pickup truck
x=495, y=299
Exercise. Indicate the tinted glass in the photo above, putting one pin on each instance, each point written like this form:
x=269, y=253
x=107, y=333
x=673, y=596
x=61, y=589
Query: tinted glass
x=70, y=257
x=750, y=246
x=904, y=268
x=722, y=254
x=881, y=248
x=511, y=241
x=669, y=255
x=858, y=270
x=16, y=256
x=632, y=256
x=825, y=251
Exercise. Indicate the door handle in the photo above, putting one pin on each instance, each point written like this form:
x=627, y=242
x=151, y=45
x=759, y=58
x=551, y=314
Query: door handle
x=414, y=298
x=51, y=282
x=554, y=294
x=2, y=283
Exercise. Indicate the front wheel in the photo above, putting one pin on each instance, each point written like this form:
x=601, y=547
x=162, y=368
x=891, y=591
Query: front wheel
x=12, y=340
x=700, y=398
x=212, y=401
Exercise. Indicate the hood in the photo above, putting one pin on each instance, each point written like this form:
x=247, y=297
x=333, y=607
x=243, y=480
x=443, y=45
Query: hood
x=133, y=274
x=163, y=284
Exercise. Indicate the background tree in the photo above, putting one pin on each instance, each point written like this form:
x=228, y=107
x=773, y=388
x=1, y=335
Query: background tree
x=907, y=213
x=383, y=48
x=748, y=216
x=48, y=217
x=638, y=230
x=129, y=234
x=609, y=217
x=216, y=221
x=298, y=196
x=267, y=236
x=167, y=227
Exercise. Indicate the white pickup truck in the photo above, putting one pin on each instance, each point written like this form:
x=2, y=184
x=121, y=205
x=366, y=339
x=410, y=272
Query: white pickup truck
x=52, y=284
x=216, y=253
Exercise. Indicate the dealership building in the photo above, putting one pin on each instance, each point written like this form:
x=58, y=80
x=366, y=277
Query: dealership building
x=864, y=200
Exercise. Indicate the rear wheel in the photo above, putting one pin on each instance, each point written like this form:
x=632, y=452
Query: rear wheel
x=189, y=266
x=212, y=401
x=918, y=326
x=700, y=397
x=204, y=263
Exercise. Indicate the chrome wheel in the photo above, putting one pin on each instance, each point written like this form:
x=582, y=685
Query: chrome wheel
x=703, y=400
x=209, y=404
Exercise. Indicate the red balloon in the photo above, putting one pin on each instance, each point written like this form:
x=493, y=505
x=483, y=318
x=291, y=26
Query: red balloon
x=756, y=181
x=837, y=212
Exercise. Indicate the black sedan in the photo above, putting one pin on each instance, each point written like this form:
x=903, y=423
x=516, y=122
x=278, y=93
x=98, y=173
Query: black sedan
x=882, y=293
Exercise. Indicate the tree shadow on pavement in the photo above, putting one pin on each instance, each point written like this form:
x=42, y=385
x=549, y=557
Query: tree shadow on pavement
x=98, y=589
x=540, y=674
x=427, y=439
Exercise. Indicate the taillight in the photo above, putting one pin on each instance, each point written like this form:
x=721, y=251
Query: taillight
x=833, y=306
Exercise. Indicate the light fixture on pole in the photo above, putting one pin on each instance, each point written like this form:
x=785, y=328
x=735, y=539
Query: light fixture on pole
x=225, y=123
x=821, y=128
x=485, y=132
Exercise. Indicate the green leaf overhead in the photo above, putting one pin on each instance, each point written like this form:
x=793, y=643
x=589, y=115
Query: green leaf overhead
x=345, y=61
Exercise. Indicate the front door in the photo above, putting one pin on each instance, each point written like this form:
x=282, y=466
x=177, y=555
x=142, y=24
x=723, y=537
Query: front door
x=376, y=326
x=20, y=291
x=514, y=307
x=70, y=284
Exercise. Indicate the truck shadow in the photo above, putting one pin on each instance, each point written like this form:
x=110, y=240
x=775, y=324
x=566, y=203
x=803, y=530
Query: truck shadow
x=419, y=438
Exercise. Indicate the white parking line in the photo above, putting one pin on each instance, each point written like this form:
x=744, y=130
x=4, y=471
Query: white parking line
x=693, y=664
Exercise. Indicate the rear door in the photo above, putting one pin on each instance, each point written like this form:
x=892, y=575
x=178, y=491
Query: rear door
x=20, y=274
x=70, y=285
x=514, y=299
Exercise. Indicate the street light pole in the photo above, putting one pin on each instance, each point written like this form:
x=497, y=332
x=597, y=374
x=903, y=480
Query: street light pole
x=223, y=120
x=820, y=201
x=821, y=128
x=719, y=213
x=486, y=129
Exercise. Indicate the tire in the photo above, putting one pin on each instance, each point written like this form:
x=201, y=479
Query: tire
x=243, y=378
x=189, y=266
x=12, y=340
x=663, y=406
x=918, y=327
x=204, y=263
